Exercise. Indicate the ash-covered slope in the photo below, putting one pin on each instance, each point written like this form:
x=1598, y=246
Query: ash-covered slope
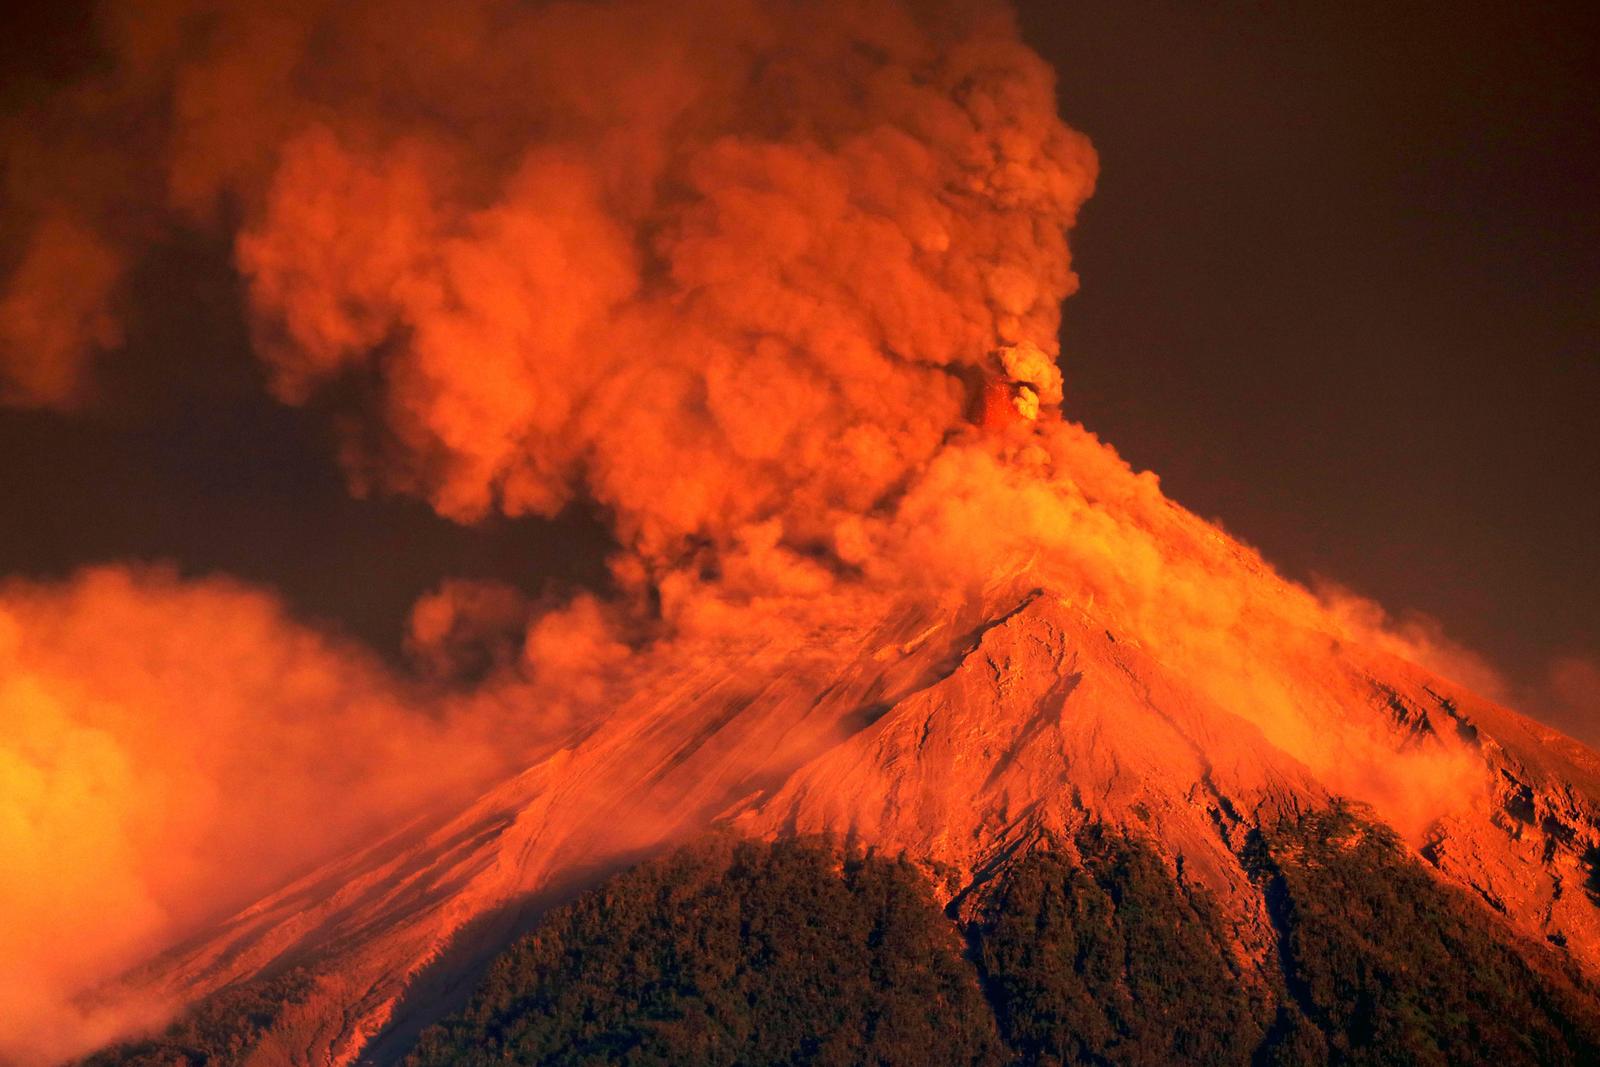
x=963, y=740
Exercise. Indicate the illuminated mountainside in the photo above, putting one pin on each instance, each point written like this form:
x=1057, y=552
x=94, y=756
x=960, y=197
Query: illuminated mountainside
x=963, y=732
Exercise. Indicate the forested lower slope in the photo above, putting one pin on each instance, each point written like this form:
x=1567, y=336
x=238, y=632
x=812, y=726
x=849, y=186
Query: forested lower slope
x=1089, y=951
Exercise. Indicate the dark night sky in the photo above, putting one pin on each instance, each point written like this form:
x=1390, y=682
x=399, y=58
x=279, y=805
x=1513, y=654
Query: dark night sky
x=1341, y=289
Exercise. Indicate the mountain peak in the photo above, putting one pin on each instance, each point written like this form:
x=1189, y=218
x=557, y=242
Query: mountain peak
x=960, y=740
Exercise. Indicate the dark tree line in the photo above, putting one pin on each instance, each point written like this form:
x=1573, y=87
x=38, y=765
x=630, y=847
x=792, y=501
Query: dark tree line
x=1389, y=966
x=1091, y=952
x=733, y=953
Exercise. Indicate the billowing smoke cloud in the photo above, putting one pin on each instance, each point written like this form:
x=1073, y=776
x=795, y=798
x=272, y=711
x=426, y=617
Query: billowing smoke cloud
x=710, y=263
x=169, y=750
x=775, y=284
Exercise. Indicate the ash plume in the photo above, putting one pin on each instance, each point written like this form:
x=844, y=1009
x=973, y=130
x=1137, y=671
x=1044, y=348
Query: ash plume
x=709, y=263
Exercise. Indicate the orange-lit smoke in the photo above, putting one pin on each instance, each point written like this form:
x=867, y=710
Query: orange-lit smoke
x=169, y=750
x=709, y=263
x=54, y=313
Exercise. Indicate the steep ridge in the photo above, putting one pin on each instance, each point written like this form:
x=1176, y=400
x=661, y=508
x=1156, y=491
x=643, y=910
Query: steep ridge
x=1532, y=850
x=963, y=742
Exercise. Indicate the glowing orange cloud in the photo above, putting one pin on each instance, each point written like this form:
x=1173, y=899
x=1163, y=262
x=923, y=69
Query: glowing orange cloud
x=745, y=261
x=170, y=750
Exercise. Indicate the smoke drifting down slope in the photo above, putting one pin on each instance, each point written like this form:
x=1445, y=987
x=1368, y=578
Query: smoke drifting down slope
x=776, y=285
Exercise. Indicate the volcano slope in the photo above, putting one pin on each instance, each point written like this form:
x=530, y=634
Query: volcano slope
x=1374, y=861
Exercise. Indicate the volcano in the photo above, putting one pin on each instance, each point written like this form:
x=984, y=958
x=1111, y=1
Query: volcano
x=890, y=716
x=964, y=736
